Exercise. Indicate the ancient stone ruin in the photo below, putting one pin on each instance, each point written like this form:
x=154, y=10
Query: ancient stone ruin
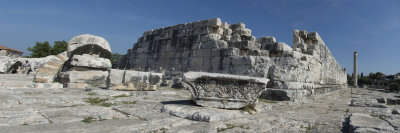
x=224, y=90
x=233, y=83
x=213, y=46
x=222, y=64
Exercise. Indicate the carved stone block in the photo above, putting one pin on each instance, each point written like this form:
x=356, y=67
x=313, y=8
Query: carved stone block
x=224, y=90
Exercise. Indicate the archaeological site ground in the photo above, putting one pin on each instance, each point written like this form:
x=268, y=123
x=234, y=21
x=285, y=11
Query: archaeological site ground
x=203, y=76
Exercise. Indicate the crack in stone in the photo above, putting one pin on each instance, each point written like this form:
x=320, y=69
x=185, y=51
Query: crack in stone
x=50, y=121
x=129, y=115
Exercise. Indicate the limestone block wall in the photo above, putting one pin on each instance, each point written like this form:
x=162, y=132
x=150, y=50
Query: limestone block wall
x=218, y=47
x=208, y=45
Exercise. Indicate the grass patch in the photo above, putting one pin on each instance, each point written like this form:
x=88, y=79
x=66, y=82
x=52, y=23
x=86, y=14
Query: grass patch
x=228, y=126
x=267, y=101
x=310, y=127
x=129, y=102
x=390, y=104
x=88, y=120
x=162, y=130
x=250, y=108
x=347, y=111
x=122, y=95
x=104, y=104
x=92, y=93
x=383, y=117
x=96, y=100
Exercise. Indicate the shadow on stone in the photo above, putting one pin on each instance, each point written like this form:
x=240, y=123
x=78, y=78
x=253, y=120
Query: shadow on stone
x=345, y=125
x=189, y=110
x=180, y=102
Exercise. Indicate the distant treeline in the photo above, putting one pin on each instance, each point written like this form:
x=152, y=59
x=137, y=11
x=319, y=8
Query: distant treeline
x=378, y=80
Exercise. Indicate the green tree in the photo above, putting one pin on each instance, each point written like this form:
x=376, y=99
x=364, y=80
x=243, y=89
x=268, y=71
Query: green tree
x=394, y=87
x=115, y=57
x=59, y=47
x=349, y=80
x=365, y=81
x=41, y=49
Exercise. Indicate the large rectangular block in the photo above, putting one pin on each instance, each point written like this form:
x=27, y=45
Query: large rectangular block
x=95, y=78
x=116, y=77
x=204, y=86
x=143, y=77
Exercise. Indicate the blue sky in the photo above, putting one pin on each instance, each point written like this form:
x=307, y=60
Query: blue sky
x=370, y=27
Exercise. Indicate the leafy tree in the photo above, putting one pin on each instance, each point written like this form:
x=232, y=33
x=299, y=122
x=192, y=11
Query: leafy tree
x=349, y=80
x=41, y=49
x=362, y=74
x=394, y=87
x=365, y=81
x=115, y=57
x=59, y=47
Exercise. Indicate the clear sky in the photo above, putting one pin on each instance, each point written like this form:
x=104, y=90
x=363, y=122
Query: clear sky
x=370, y=27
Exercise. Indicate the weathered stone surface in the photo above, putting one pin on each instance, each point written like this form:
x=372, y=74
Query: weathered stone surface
x=48, y=85
x=49, y=71
x=89, y=44
x=47, y=110
x=16, y=81
x=196, y=113
x=6, y=63
x=199, y=46
x=116, y=77
x=134, y=86
x=224, y=90
x=143, y=77
x=122, y=77
x=129, y=80
x=360, y=120
x=92, y=78
x=87, y=60
x=76, y=85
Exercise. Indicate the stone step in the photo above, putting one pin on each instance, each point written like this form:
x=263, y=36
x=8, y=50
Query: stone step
x=16, y=77
x=17, y=84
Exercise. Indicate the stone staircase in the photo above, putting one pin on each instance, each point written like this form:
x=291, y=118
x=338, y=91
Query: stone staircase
x=16, y=81
x=48, y=71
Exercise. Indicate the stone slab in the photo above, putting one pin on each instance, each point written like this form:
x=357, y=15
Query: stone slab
x=188, y=110
x=361, y=120
x=48, y=85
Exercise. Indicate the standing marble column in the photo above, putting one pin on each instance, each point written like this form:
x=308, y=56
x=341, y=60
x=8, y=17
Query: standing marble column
x=355, y=77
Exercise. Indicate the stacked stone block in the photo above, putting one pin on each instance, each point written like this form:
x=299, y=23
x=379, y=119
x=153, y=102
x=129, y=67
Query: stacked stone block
x=218, y=47
x=88, y=64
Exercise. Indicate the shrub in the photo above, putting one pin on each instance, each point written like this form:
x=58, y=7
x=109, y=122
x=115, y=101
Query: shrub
x=394, y=87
